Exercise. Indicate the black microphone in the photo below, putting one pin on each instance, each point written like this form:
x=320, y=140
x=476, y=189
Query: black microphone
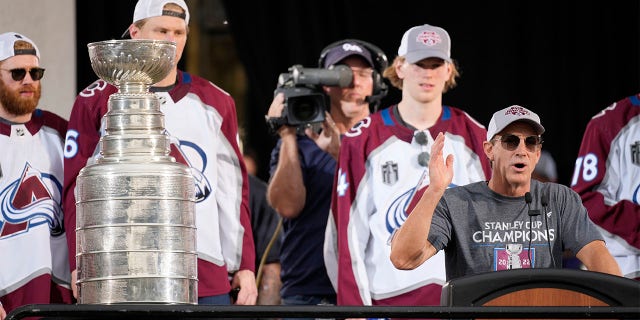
x=339, y=75
x=528, y=199
x=544, y=200
x=375, y=99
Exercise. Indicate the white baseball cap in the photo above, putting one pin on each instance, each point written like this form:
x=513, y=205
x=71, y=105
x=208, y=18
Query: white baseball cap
x=501, y=119
x=155, y=8
x=425, y=41
x=7, y=46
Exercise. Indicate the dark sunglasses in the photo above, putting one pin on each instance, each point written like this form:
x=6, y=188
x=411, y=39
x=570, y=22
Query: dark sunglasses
x=19, y=73
x=511, y=142
x=421, y=139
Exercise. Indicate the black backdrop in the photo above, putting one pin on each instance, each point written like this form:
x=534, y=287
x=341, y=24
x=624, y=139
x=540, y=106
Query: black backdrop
x=566, y=60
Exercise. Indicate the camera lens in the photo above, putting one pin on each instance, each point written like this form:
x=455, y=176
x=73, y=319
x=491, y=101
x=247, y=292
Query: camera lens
x=303, y=105
x=305, y=109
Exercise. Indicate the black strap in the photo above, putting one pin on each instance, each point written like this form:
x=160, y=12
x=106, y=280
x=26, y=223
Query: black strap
x=274, y=124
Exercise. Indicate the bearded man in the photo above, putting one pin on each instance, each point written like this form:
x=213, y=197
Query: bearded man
x=33, y=245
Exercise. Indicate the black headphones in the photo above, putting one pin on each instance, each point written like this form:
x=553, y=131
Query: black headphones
x=380, y=63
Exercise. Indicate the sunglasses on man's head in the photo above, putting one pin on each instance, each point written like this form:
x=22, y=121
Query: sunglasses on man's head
x=422, y=140
x=511, y=142
x=18, y=74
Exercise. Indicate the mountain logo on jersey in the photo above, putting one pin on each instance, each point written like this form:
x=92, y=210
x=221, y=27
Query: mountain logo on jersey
x=32, y=200
x=191, y=155
x=401, y=206
x=397, y=212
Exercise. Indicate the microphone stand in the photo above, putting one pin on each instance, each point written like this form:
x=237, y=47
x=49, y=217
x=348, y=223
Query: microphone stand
x=528, y=199
x=544, y=200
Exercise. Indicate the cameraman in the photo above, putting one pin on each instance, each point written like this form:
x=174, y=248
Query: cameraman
x=303, y=167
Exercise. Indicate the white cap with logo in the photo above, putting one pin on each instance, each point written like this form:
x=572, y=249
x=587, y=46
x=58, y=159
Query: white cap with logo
x=155, y=8
x=7, y=46
x=501, y=119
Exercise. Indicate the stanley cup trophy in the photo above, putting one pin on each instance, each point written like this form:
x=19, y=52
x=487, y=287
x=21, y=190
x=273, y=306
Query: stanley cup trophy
x=136, y=233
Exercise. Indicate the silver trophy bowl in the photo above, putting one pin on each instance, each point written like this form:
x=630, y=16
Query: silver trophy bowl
x=128, y=62
x=135, y=205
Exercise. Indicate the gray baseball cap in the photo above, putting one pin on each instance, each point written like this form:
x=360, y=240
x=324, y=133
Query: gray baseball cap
x=7, y=46
x=501, y=119
x=425, y=41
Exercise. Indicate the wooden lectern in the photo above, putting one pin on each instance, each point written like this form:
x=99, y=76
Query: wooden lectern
x=541, y=287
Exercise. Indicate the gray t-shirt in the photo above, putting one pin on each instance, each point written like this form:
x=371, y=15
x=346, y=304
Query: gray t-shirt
x=483, y=231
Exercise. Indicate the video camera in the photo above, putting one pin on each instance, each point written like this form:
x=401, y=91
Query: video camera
x=305, y=101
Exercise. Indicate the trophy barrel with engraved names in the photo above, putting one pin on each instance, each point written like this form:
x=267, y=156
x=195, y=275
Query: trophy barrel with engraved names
x=135, y=233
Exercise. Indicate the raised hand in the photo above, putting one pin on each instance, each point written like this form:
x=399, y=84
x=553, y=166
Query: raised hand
x=440, y=170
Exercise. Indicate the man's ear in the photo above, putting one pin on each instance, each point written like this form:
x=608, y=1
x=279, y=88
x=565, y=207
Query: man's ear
x=398, y=65
x=488, y=149
x=538, y=155
x=133, y=30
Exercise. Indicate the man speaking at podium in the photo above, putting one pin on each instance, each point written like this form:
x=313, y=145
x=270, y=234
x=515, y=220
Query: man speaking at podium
x=509, y=222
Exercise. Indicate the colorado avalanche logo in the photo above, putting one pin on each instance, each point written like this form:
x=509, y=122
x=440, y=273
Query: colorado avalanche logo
x=401, y=206
x=397, y=213
x=516, y=111
x=31, y=201
x=429, y=38
x=197, y=162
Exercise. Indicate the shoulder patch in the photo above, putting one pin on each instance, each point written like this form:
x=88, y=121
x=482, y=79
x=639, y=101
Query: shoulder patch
x=90, y=91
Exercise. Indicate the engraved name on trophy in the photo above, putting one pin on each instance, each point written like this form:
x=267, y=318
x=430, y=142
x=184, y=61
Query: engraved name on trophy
x=136, y=233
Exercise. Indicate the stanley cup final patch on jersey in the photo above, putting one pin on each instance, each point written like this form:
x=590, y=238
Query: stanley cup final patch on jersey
x=390, y=173
x=18, y=130
x=635, y=153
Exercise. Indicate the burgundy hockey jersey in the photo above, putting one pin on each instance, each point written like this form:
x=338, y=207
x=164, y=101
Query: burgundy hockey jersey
x=381, y=174
x=201, y=120
x=607, y=177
